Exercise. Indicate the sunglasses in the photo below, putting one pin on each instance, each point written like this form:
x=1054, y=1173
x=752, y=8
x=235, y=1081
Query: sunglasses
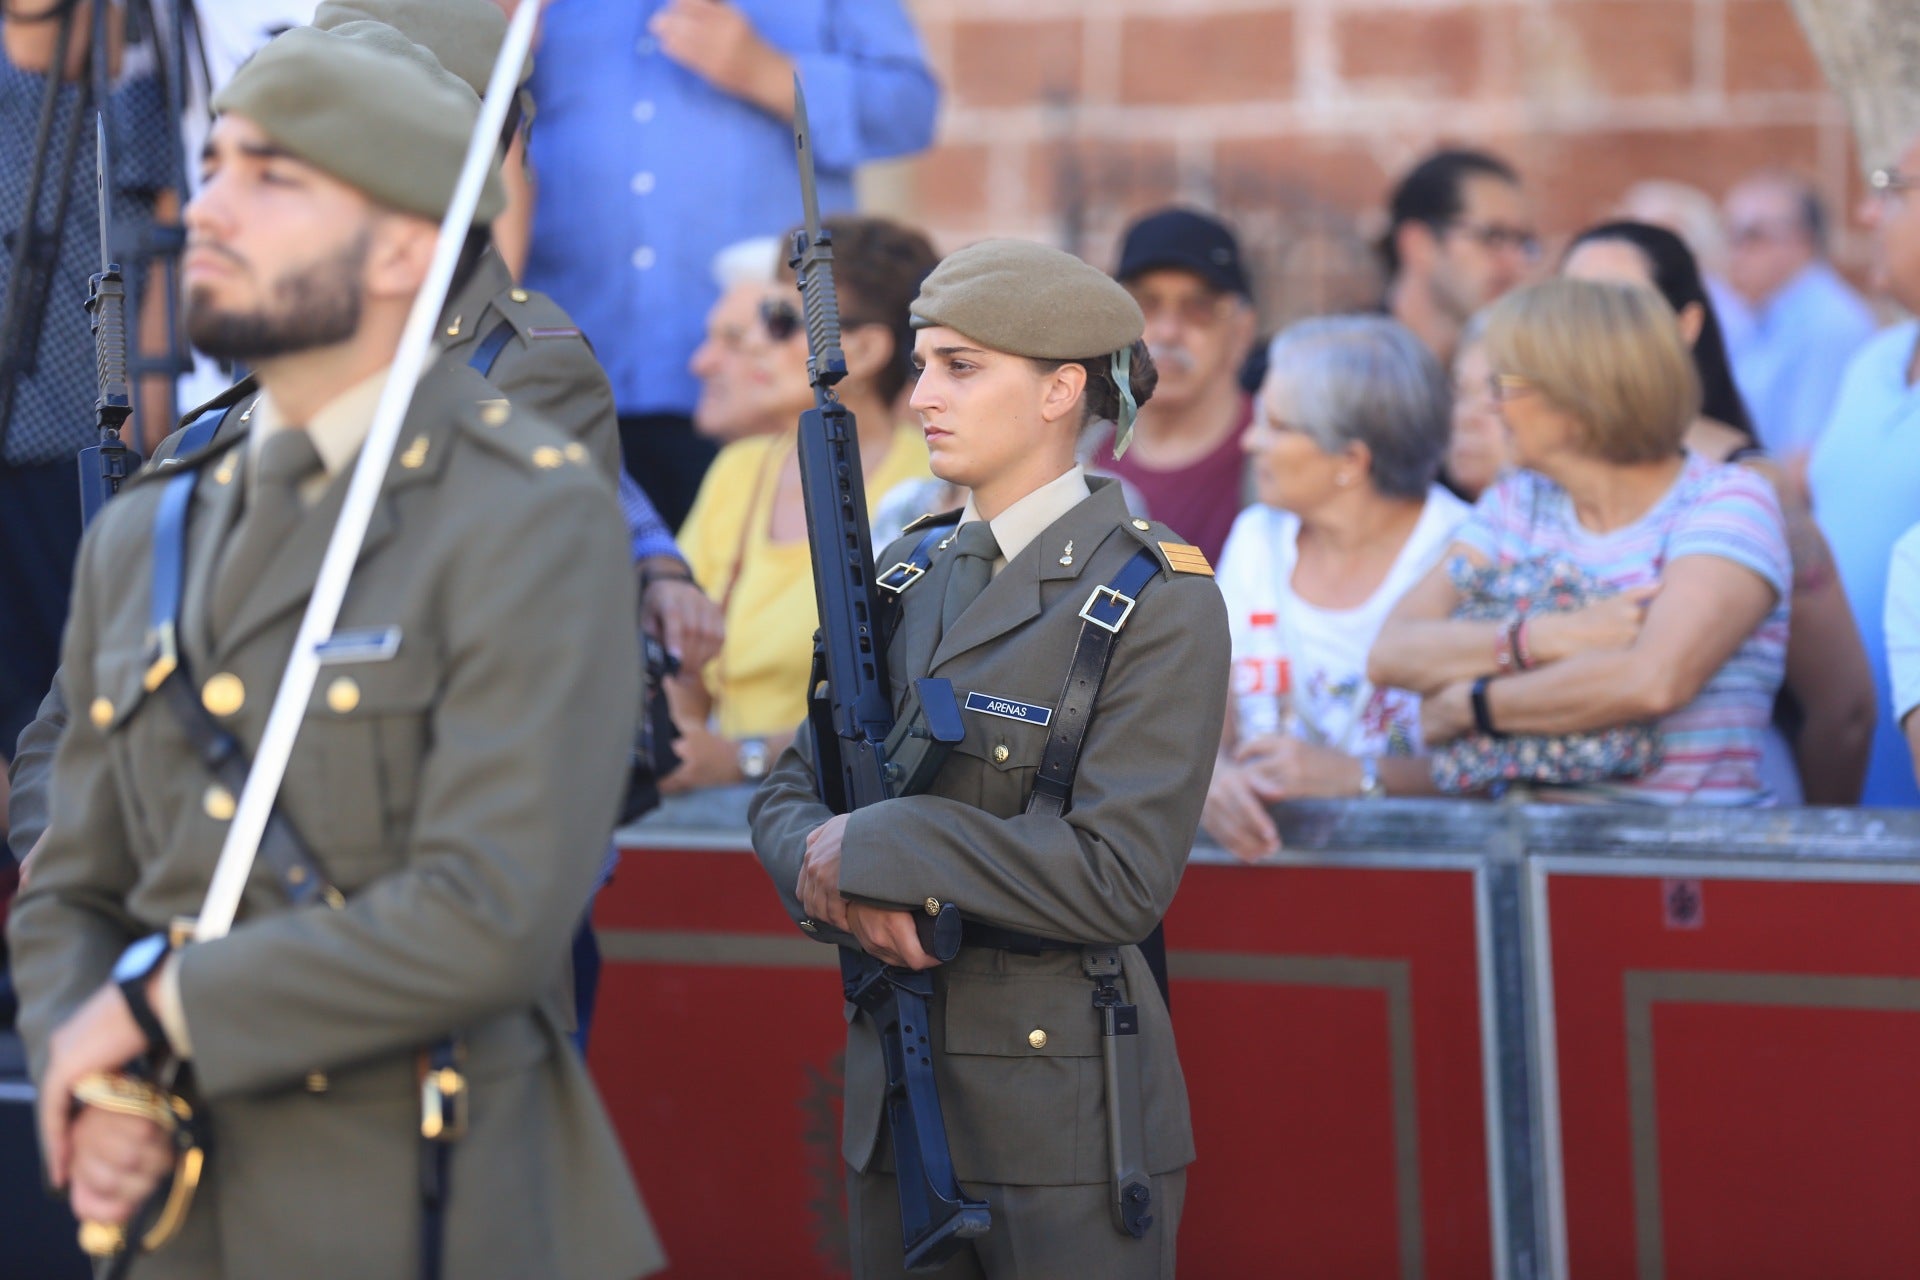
x=780, y=318
x=1495, y=238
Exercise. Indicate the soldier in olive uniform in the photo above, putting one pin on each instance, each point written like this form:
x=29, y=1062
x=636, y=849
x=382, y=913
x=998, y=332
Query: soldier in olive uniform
x=519, y=339
x=455, y=777
x=1006, y=330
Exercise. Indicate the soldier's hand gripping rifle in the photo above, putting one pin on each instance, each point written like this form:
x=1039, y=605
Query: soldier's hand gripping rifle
x=861, y=756
x=106, y=464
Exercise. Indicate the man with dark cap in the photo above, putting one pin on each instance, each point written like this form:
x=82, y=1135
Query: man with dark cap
x=1060, y=824
x=448, y=798
x=1459, y=235
x=1185, y=270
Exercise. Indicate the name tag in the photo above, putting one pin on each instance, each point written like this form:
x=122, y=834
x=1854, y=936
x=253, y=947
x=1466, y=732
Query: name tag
x=369, y=644
x=1008, y=709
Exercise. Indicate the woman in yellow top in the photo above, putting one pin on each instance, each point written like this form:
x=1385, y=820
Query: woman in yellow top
x=746, y=537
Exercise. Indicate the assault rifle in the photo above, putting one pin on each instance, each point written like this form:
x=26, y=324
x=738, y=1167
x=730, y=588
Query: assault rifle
x=862, y=756
x=105, y=465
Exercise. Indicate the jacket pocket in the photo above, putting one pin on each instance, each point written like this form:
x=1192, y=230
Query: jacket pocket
x=1011, y=1017
x=368, y=731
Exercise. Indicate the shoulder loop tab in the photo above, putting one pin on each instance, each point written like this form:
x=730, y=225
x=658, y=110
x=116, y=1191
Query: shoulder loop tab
x=486, y=353
x=909, y=571
x=1105, y=613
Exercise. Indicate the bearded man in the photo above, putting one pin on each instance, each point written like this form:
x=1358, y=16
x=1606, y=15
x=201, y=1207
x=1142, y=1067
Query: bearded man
x=449, y=797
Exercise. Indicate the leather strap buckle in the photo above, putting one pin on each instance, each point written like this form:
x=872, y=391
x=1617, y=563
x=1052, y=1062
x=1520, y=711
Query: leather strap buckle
x=900, y=577
x=1125, y=604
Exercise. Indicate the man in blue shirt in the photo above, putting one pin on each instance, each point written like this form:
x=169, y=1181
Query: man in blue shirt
x=662, y=138
x=1865, y=472
x=1805, y=323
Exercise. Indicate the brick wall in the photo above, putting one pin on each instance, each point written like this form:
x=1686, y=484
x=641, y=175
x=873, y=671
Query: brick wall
x=1063, y=118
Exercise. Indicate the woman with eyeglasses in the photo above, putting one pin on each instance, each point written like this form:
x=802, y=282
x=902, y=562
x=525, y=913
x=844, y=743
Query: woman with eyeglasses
x=1596, y=384
x=746, y=538
x=1823, y=727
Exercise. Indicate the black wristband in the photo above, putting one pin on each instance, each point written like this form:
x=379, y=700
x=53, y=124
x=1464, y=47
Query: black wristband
x=1482, y=718
x=135, y=991
x=649, y=576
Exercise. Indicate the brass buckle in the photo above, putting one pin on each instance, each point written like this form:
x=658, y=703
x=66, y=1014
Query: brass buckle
x=908, y=573
x=166, y=656
x=1125, y=602
x=443, y=1105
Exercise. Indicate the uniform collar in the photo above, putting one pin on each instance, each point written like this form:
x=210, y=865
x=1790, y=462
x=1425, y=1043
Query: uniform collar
x=1028, y=518
x=337, y=430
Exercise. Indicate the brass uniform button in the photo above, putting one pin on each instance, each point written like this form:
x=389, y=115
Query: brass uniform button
x=343, y=695
x=518, y=295
x=218, y=803
x=933, y=906
x=1142, y=525
x=546, y=457
x=296, y=875
x=1000, y=754
x=415, y=456
x=100, y=711
x=495, y=412
x=575, y=451
x=224, y=694
x=1037, y=1038
x=316, y=1082
x=810, y=926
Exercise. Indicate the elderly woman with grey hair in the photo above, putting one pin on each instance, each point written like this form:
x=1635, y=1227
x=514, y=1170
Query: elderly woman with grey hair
x=1346, y=444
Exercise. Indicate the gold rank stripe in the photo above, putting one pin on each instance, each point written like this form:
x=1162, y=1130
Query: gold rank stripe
x=1185, y=558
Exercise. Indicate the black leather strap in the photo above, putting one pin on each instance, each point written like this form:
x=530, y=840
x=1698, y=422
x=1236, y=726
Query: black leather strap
x=896, y=579
x=1104, y=614
x=975, y=934
x=486, y=353
x=436, y=1168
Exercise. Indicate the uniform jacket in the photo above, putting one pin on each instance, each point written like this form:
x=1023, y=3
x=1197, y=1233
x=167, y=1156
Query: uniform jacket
x=1103, y=873
x=546, y=369
x=460, y=792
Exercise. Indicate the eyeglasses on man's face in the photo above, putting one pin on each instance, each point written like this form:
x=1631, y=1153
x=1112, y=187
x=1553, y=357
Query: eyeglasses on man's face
x=1498, y=237
x=1889, y=183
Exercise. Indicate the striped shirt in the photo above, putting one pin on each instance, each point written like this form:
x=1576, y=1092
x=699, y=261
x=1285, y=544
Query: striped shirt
x=1711, y=745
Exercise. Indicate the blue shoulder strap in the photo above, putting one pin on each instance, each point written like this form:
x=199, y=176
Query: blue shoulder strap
x=199, y=433
x=909, y=571
x=486, y=353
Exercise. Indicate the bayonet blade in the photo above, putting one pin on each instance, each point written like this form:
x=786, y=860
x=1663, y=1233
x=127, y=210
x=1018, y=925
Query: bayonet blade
x=803, y=151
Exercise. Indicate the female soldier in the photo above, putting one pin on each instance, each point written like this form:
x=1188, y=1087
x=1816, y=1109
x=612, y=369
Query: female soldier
x=1043, y=880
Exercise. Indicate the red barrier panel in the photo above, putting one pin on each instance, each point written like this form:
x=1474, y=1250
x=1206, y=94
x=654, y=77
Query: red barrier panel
x=1736, y=1063
x=1329, y=1026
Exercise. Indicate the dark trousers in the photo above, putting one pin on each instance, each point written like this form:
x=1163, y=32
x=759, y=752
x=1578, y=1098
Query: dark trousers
x=667, y=458
x=39, y=536
x=586, y=980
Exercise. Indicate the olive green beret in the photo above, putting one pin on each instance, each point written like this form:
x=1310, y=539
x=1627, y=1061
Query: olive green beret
x=376, y=120
x=465, y=35
x=1029, y=300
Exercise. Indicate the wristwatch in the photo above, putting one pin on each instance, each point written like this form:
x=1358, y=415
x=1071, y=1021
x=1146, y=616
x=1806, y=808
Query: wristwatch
x=1371, y=788
x=136, y=966
x=754, y=758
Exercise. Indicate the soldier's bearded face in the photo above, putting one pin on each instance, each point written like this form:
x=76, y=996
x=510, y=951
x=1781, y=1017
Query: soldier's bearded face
x=314, y=304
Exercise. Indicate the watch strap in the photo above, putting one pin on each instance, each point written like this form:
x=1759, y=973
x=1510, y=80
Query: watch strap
x=135, y=991
x=1482, y=716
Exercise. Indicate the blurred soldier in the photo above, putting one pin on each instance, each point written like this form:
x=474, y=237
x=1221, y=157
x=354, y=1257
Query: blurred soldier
x=453, y=784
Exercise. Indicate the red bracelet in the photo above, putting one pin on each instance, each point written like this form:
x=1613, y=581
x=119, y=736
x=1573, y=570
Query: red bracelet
x=1517, y=640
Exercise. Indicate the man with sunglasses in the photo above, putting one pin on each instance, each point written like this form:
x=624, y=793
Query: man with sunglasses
x=1459, y=235
x=1185, y=270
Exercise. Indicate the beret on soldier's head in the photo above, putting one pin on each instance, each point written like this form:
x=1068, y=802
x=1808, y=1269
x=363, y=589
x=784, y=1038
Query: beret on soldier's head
x=1029, y=300
x=376, y=120
x=465, y=35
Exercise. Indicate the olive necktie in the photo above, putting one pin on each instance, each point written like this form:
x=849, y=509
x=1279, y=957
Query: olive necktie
x=974, y=552
x=273, y=509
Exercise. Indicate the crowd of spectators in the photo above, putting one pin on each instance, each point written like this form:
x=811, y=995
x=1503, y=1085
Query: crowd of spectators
x=1638, y=502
